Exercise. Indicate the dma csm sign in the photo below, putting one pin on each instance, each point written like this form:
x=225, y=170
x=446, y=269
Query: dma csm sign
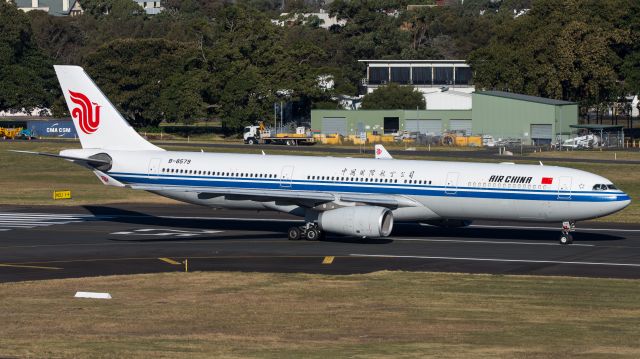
x=52, y=128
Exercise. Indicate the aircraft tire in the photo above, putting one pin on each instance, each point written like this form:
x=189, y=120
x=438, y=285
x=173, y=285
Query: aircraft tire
x=294, y=234
x=313, y=234
x=566, y=238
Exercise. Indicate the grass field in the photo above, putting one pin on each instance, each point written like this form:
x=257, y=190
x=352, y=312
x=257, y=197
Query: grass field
x=629, y=155
x=383, y=314
x=30, y=180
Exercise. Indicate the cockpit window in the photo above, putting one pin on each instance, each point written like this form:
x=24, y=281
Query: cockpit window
x=610, y=186
x=603, y=187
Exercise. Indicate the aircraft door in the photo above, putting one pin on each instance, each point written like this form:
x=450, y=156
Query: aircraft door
x=451, y=186
x=154, y=167
x=285, y=177
x=564, y=188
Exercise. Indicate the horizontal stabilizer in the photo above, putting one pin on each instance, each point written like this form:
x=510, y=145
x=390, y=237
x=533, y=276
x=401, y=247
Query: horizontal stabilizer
x=91, y=161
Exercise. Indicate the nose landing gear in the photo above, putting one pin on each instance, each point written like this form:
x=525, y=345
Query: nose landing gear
x=567, y=228
x=309, y=231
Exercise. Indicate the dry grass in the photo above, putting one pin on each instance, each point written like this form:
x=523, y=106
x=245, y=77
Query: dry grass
x=29, y=180
x=384, y=314
x=630, y=155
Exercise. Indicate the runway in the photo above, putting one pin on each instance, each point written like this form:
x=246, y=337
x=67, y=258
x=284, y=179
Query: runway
x=61, y=242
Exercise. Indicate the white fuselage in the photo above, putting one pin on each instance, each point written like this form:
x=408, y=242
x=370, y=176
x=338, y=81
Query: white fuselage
x=443, y=190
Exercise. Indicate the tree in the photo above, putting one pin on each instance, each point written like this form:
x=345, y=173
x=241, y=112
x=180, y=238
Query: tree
x=117, y=8
x=559, y=50
x=27, y=79
x=150, y=80
x=393, y=96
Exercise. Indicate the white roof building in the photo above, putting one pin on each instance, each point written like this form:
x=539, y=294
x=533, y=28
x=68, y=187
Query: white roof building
x=327, y=21
x=446, y=84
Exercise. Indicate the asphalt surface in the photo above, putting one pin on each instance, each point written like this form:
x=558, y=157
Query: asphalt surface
x=61, y=242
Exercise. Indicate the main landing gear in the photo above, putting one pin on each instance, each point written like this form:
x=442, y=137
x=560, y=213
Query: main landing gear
x=309, y=231
x=567, y=228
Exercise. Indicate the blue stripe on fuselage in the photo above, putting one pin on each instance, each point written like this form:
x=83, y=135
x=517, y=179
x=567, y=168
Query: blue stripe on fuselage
x=368, y=187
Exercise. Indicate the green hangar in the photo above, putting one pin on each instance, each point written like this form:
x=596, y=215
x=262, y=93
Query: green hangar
x=503, y=115
x=353, y=122
x=534, y=120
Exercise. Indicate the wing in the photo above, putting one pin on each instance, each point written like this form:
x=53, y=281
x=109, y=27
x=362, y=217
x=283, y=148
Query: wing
x=302, y=198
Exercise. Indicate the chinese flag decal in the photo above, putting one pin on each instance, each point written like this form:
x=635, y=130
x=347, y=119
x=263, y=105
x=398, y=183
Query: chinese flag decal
x=547, y=180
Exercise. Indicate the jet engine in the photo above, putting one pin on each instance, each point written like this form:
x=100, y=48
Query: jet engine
x=359, y=221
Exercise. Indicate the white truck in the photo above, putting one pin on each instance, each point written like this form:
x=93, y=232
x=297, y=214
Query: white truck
x=260, y=135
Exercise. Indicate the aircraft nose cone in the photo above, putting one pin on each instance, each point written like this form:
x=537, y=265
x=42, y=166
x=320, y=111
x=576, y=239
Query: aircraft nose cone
x=626, y=202
x=623, y=201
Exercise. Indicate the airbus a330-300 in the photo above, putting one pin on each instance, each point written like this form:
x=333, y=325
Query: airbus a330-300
x=346, y=196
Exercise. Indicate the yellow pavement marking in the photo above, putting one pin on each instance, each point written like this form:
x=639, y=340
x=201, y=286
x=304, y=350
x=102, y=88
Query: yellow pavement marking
x=25, y=266
x=328, y=260
x=170, y=261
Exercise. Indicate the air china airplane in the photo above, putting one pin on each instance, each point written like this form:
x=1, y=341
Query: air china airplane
x=347, y=196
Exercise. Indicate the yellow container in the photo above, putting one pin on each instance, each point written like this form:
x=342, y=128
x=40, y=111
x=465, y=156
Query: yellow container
x=373, y=138
x=334, y=139
x=475, y=141
x=461, y=141
x=387, y=138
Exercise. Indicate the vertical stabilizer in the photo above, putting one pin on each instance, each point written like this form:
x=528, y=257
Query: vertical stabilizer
x=98, y=123
x=382, y=153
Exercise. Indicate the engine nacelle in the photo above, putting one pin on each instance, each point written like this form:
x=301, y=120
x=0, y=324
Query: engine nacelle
x=359, y=221
x=450, y=223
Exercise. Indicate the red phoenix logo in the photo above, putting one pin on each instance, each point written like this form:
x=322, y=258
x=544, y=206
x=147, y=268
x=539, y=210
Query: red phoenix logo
x=87, y=113
x=379, y=151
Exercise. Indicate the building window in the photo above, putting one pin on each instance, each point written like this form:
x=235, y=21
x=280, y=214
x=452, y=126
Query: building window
x=443, y=75
x=378, y=75
x=463, y=76
x=421, y=75
x=400, y=75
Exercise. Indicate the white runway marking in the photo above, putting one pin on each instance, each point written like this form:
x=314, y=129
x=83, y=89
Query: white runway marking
x=237, y=219
x=486, y=242
x=498, y=260
x=162, y=232
x=578, y=229
x=16, y=220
